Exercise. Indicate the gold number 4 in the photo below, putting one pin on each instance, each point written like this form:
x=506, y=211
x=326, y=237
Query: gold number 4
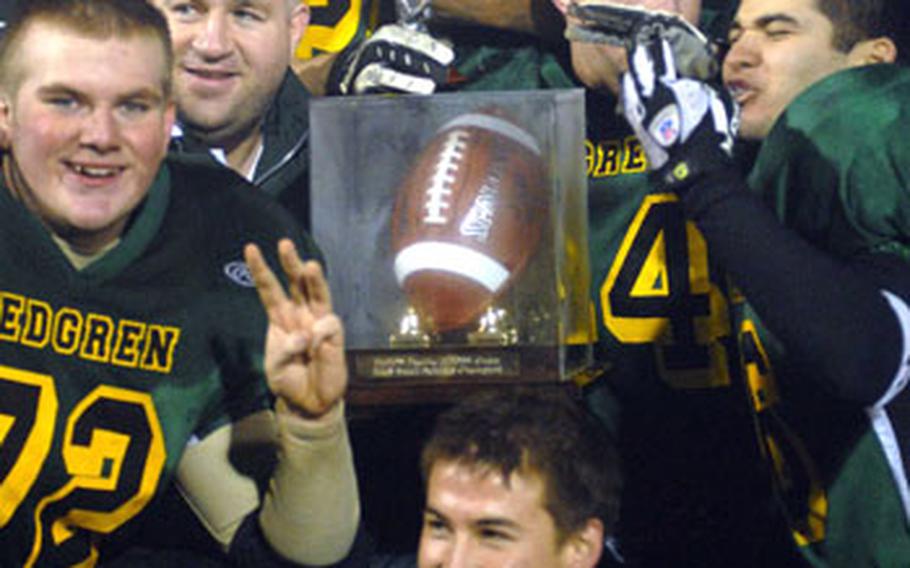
x=659, y=290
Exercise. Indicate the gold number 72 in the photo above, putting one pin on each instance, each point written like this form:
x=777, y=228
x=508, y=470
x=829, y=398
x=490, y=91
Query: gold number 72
x=112, y=449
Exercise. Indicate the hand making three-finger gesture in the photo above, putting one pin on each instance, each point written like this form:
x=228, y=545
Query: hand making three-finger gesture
x=304, y=349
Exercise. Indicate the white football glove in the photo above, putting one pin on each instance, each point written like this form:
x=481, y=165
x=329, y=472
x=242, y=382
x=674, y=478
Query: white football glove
x=685, y=126
x=395, y=59
x=601, y=21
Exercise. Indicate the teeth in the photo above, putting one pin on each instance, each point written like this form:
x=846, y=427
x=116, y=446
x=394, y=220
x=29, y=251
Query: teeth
x=212, y=74
x=95, y=171
x=737, y=92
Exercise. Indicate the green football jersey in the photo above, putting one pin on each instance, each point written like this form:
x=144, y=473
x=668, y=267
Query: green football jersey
x=488, y=59
x=835, y=169
x=334, y=24
x=107, y=373
x=671, y=389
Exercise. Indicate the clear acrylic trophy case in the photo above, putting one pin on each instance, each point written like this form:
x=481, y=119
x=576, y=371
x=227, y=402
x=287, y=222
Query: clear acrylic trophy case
x=455, y=232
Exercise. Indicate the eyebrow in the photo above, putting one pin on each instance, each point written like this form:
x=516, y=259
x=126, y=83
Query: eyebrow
x=261, y=4
x=490, y=522
x=152, y=95
x=767, y=20
x=498, y=522
x=431, y=511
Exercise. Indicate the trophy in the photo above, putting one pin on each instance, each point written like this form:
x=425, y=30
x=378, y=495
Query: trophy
x=467, y=219
x=454, y=226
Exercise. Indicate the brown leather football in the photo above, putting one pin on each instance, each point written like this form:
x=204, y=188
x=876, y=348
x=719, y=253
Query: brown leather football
x=468, y=217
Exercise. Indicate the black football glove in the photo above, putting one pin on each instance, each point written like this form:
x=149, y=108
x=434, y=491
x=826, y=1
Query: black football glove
x=685, y=126
x=395, y=59
x=600, y=21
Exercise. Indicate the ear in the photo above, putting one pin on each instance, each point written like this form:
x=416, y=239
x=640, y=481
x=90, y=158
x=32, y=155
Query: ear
x=584, y=548
x=872, y=51
x=300, y=19
x=5, y=122
x=170, y=116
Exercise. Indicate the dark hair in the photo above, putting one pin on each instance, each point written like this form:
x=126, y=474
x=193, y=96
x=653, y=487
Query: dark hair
x=529, y=431
x=100, y=19
x=858, y=20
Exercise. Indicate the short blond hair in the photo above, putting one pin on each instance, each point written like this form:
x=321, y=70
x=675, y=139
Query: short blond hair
x=100, y=19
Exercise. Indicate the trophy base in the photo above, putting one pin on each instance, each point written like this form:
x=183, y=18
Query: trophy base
x=445, y=374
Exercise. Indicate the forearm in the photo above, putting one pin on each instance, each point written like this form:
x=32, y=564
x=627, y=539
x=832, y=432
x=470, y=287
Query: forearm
x=222, y=464
x=537, y=17
x=507, y=14
x=829, y=313
x=314, y=72
x=311, y=510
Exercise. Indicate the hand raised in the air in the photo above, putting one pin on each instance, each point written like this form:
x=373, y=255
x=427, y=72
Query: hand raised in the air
x=395, y=59
x=685, y=126
x=304, y=347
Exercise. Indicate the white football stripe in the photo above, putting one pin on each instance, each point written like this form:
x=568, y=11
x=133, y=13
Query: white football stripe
x=498, y=125
x=456, y=259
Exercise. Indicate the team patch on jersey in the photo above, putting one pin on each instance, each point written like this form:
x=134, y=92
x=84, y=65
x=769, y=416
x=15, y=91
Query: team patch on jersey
x=239, y=273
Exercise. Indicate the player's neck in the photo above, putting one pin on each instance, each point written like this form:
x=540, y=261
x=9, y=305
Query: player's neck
x=80, y=259
x=244, y=157
x=80, y=247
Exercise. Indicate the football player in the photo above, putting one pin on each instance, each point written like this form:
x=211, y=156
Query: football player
x=364, y=46
x=135, y=350
x=666, y=343
x=818, y=242
x=669, y=388
x=518, y=479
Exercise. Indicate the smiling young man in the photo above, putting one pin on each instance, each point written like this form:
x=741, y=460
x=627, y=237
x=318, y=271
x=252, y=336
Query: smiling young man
x=817, y=242
x=518, y=479
x=135, y=349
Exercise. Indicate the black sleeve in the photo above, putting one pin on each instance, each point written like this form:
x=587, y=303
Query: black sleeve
x=828, y=312
x=251, y=549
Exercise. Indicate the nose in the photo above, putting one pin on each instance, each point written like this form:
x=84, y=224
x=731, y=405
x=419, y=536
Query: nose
x=213, y=40
x=743, y=52
x=460, y=555
x=448, y=553
x=100, y=130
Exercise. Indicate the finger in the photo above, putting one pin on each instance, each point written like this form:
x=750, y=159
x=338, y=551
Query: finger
x=668, y=60
x=318, y=290
x=642, y=67
x=634, y=109
x=287, y=349
x=293, y=268
x=725, y=121
x=271, y=293
x=654, y=52
x=326, y=330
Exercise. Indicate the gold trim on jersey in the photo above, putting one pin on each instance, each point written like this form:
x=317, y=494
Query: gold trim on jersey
x=87, y=335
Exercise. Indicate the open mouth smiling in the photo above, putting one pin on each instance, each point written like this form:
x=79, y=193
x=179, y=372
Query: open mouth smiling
x=94, y=171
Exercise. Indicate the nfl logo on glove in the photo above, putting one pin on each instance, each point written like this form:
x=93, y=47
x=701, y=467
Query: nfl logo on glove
x=665, y=127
